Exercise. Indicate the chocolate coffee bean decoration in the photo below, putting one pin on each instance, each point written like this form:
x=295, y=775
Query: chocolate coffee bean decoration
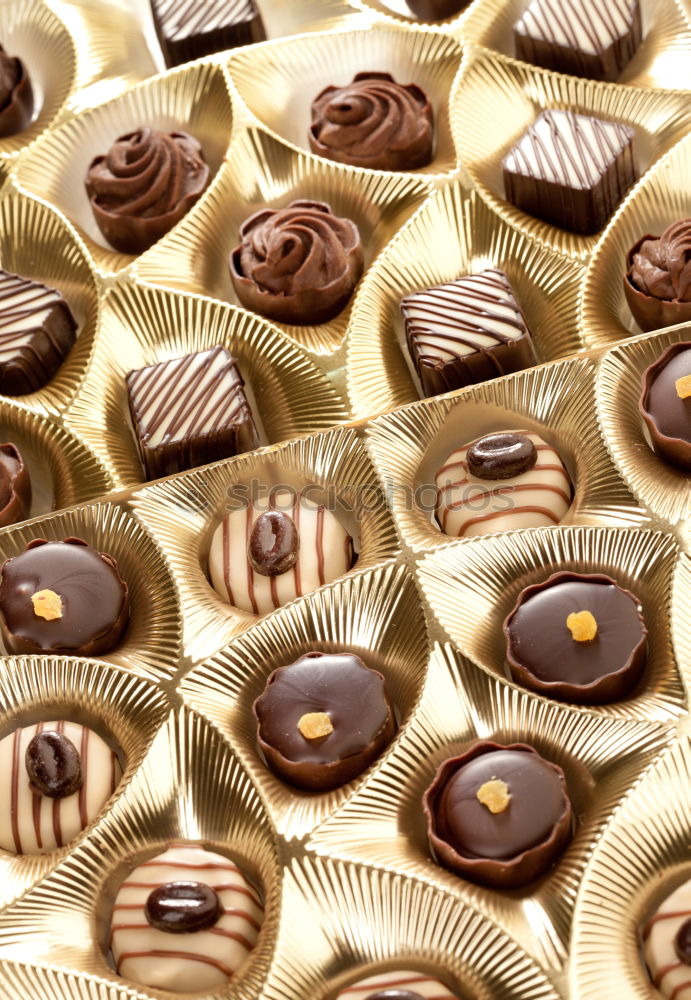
x=53, y=765
x=394, y=994
x=682, y=943
x=274, y=543
x=183, y=907
x=501, y=456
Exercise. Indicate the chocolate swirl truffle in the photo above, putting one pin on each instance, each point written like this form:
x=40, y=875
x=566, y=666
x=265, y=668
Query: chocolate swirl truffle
x=657, y=283
x=498, y=815
x=144, y=185
x=397, y=984
x=184, y=921
x=62, y=597
x=298, y=264
x=667, y=945
x=16, y=95
x=15, y=486
x=373, y=122
x=665, y=405
x=577, y=637
x=54, y=780
x=323, y=720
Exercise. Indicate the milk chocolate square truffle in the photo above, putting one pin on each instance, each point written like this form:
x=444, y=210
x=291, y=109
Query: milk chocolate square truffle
x=190, y=29
x=570, y=170
x=466, y=331
x=582, y=37
x=190, y=411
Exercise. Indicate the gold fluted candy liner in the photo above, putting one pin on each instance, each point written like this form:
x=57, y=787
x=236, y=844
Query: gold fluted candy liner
x=556, y=401
x=124, y=709
x=272, y=79
x=510, y=95
x=661, y=198
x=189, y=787
x=383, y=824
x=194, y=99
x=472, y=588
x=660, y=61
x=365, y=921
x=260, y=172
x=376, y=614
x=143, y=325
x=151, y=644
x=455, y=234
x=183, y=512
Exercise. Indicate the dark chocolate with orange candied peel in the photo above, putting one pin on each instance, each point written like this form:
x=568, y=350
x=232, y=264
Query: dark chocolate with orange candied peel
x=665, y=405
x=657, y=283
x=15, y=486
x=16, y=95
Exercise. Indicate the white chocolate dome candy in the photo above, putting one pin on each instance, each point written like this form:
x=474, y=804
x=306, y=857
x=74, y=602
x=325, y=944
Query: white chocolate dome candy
x=207, y=937
x=502, y=481
x=667, y=945
x=48, y=795
x=398, y=984
x=276, y=549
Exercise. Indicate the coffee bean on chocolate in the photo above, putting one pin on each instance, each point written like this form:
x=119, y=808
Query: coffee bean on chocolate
x=53, y=765
x=682, y=943
x=274, y=543
x=501, y=456
x=182, y=907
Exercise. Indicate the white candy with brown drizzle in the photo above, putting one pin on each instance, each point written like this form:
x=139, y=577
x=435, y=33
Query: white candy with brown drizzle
x=588, y=25
x=184, y=962
x=671, y=976
x=31, y=823
x=325, y=552
x=403, y=980
x=469, y=506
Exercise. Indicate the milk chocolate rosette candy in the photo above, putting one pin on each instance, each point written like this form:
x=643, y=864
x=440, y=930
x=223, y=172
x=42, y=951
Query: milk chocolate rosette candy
x=15, y=486
x=665, y=405
x=144, y=185
x=373, y=122
x=16, y=95
x=298, y=264
x=657, y=283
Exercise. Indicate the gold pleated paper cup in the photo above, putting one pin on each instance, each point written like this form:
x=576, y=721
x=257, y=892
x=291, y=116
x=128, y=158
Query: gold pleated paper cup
x=376, y=615
x=510, y=95
x=36, y=243
x=194, y=99
x=271, y=79
x=473, y=588
x=382, y=921
x=660, y=487
x=642, y=858
x=455, y=234
x=660, y=60
x=125, y=710
x=189, y=788
x=556, y=401
x=151, y=643
x=383, y=825
x=143, y=325
x=261, y=172
x=183, y=512
x=661, y=198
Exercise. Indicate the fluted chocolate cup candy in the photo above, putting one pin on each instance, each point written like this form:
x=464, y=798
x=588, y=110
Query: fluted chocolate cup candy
x=665, y=405
x=144, y=185
x=298, y=264
x=373, y=122
x=16, y=95
x=15, y=486
x=657, y=283
x=436, y=10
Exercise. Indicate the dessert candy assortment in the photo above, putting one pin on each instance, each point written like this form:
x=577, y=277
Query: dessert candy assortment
x=386, y=675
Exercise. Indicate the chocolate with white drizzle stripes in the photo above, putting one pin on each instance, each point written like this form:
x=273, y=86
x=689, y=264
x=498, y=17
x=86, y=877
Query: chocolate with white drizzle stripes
x=466, y=331
x=395, y=984
x=583, y=37
x=184, y=963
x=469, y=506
x=189, y=29
x=670, y=975
x=325, y=551
x=35, y=824
x=570, y=170
x=190, y=411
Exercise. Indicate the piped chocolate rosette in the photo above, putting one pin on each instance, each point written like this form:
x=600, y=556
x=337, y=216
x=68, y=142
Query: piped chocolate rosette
x=15, y=486
x=373, y=122
x=657, y=283
x=16, y=95
x=667, y=945
x=298, y=264
x=665, y=405
x=397, y=984
x=144, y=185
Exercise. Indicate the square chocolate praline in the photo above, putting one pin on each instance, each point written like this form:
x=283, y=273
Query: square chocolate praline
x=190, y=29
x=190, y=411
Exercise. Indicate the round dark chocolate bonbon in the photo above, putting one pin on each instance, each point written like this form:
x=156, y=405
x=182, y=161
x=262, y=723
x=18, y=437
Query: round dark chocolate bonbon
x=274, y=543
x=666, y=415
x=436, y=10
x=182, y=907
x=16, y=95
x=15, y=486
x=344, y=689
x=501, y=456
x=657, y=283
x=53, y=765
x=682, y=943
